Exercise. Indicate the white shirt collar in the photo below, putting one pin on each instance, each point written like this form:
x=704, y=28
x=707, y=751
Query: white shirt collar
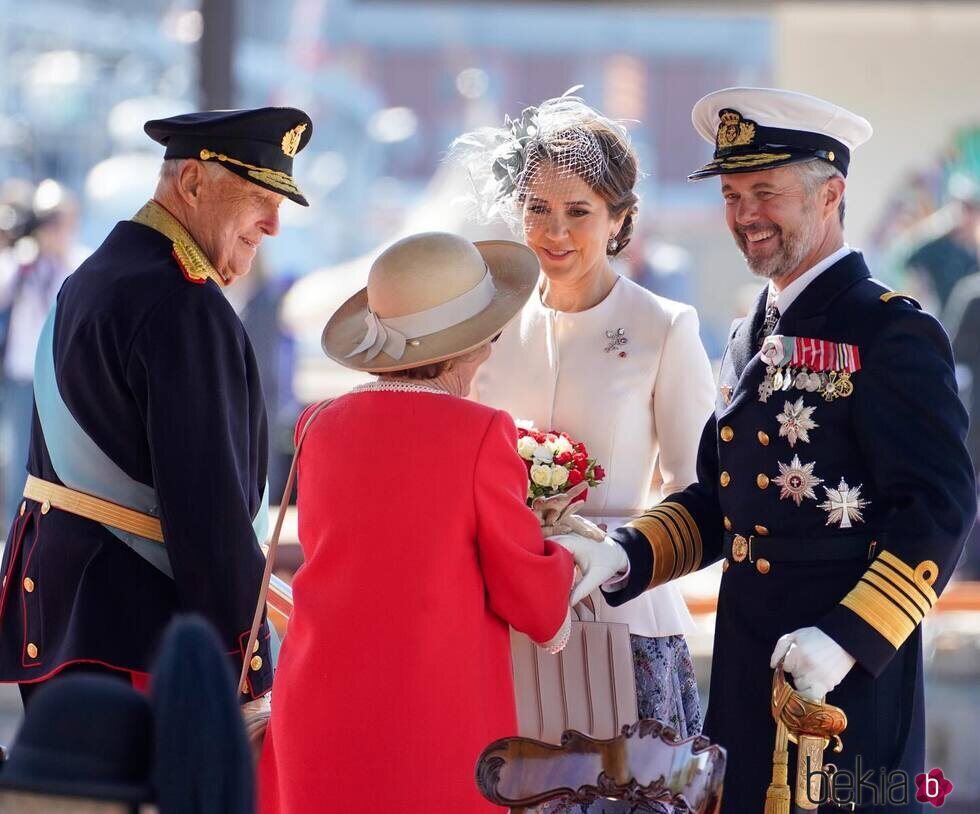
x=784, y=299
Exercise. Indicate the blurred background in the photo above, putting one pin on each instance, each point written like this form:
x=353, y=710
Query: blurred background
x=390, y=83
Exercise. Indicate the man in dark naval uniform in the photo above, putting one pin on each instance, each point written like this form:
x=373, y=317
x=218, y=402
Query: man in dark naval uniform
x=146, y=488
x=833, y=480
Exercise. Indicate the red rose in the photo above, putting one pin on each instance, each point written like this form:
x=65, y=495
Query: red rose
x=537, y=436
x=579, y=447
x=521, y=432
x=575, y=477
x=598, y=473
x=563, y=459
x=581, y=461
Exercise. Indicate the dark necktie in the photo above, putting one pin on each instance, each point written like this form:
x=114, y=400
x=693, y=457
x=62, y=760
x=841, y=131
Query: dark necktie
x=768, y=323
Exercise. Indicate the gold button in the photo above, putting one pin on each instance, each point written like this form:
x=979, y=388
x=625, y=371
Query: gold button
x=763, y=438
x=728, y=524
x=725, y=479
x=762, y=565
x=23, y=507
x=830, y=155
x=725, y=564
x=32, y=650
x=727, y=434
x=29, y=585
x=762, y=481
x=256, y=663
x=46, y=507
x=255, y=647
x=762, y=531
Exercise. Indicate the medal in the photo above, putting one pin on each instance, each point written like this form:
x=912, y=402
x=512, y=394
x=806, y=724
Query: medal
x=796, y=480
x=843, y=386
x=800, y=381
x=777, y=380
x=843, y=505
x=787, y=379
x=765, y=388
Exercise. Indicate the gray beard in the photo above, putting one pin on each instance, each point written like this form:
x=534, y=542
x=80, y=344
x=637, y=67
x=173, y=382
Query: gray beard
x=793, y=249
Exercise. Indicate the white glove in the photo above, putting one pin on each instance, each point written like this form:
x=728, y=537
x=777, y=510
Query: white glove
x=598, y=562
x=255, y=715
x=816, y=662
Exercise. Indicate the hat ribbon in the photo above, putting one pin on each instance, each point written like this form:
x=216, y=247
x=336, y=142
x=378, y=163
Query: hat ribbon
x=391, y=334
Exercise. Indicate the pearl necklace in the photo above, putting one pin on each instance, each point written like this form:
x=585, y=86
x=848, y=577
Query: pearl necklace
x=398, y=386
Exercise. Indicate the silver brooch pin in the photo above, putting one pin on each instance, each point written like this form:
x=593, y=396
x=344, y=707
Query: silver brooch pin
x=617, y=338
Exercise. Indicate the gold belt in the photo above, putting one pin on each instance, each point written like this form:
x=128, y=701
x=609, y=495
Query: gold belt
x=91, y=507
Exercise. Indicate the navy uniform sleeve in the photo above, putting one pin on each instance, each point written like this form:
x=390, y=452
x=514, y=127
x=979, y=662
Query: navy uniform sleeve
x=910, y=427
x=681, y=534
x=192, y=370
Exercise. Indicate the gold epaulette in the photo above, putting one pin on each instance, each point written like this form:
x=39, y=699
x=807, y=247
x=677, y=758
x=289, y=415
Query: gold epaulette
x=674, y=538
x=893, y=597
x=891, y=295
x=193, y=263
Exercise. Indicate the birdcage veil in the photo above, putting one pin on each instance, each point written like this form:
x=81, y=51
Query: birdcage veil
x=537, y=155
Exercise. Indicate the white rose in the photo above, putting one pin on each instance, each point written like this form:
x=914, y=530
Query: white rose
x=526, y=447
x=562, y=444
x=543, y=454
x=559, y=476
x=524, y=424
x=541, y=475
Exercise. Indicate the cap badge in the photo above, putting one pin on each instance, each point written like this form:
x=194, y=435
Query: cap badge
x=734, y=131
x=291, y=139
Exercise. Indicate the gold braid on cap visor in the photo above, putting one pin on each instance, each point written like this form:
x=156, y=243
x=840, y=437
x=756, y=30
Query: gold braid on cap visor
x=274, y=178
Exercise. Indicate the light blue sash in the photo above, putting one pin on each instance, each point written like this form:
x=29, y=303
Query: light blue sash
x=81, y=465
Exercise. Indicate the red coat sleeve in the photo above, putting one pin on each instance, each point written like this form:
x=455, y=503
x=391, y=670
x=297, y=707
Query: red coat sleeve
x=528, y=578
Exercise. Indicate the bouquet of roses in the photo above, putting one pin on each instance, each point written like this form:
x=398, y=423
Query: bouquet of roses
x=560, y=473
x=555, y=463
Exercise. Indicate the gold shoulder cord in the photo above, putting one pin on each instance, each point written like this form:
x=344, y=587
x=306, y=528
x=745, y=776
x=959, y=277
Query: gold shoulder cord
x=191, y=256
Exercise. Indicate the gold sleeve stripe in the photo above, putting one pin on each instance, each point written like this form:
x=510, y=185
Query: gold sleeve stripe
x=661, y=545
x=674, y=540
x=892, y=597
x=912, y=610
x=692, y=536
x=916, y=576
x=879, y=612
x=679, y=543
x=901, y=585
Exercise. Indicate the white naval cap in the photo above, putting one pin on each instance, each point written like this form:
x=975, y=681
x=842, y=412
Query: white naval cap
x=762, y=128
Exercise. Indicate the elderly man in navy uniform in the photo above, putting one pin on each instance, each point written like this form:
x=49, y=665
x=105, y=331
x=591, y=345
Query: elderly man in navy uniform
x=833, y=480
x=147, y=472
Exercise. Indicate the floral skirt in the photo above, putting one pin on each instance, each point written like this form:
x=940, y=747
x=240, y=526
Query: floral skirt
x=666, y=690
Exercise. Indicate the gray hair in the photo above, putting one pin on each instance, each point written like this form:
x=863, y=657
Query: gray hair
x=817, y=172
x=170, y=168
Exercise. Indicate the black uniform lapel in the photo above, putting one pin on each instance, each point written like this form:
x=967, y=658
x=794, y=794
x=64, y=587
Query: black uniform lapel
x=743, y=344
x=807, y=315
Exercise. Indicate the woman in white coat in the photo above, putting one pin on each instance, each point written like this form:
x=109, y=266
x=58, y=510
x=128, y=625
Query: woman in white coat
x=597, y=356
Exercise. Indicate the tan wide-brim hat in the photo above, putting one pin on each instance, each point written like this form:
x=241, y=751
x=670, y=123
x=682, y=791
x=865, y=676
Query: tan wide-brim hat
x=466, y=291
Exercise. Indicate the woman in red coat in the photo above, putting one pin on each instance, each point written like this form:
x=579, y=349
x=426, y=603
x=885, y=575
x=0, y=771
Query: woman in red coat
x=419, y=549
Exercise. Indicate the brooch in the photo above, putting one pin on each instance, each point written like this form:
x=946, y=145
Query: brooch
x=617, y=338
